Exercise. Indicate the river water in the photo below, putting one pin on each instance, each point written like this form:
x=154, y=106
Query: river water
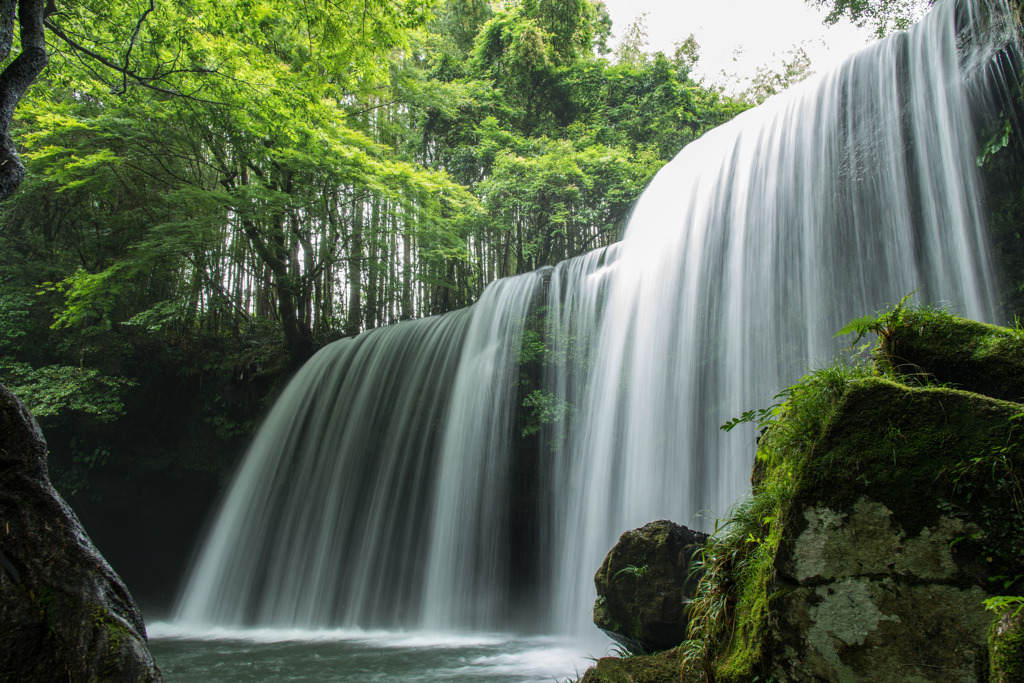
x=270, y=655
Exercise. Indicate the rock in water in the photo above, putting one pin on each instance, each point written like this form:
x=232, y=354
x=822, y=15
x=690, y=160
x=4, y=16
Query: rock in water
x=65, y=615
x=644, y=585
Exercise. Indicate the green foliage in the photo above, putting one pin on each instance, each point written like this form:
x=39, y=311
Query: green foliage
x=1006, y=648
x=999, y=140
x=1002, y=604
x=981, y=484
x=894, y=437
x=631, y=570
x=883, y=16
x=545, y=408
x=768, y=80
x=74, y=479
x=1004, y=198
x=761, y=417
x=630, y=51
x=14, y=313
x=217, y=188
x=726, y=617
x=880, y=323
x=55, y=390
x=727, y=620
x=806, y=405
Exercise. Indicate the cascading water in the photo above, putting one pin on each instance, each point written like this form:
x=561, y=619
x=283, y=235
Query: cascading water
x=323, y=523
x=743, y=258
x=390, y=486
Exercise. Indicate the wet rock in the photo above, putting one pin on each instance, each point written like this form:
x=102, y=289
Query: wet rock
x=863, y=597
x=645, y=584
x=663, y=667
x=64, y=613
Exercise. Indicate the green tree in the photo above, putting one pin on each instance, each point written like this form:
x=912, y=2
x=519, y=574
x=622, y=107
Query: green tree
x=768, y=81
x=883, y=16
x=248, y=208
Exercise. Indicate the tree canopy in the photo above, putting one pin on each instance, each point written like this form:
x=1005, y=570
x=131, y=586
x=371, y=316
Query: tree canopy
x=215, y=188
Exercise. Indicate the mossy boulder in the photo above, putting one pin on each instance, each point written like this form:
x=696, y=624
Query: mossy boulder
x=64, y=614
x=1006, y=648
x=663, y=667
x=887, y=510
x=888, y=507
x=933, y=346
x=645, y=584
x=897, y=515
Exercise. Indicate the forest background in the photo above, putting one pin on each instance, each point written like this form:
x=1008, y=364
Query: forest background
x=217, y=188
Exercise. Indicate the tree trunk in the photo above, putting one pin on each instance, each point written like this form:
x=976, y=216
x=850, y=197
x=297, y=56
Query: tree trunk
x=355, y=272
x=16, y=78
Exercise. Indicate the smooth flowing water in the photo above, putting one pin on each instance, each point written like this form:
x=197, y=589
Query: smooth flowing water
x=356, y=656
x=395, y=485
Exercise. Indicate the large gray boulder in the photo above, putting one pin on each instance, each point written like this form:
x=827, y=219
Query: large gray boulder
x=64, y=614
x=894, y=526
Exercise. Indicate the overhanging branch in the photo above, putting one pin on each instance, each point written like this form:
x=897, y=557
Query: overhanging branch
x=128, y=73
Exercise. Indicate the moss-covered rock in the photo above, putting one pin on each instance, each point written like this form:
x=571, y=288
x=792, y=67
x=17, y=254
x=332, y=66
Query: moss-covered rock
x=1006, y=648
x=663, y=667
x=887, y=509
x=644, y=585
x=64, y=614
x=890, y=512
x=935, y=346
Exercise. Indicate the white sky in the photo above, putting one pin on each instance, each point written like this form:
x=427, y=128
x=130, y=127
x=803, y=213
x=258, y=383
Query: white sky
x=766, y=30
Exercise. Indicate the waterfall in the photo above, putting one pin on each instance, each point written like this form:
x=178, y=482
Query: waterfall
x=397, y=483
x=322, y=525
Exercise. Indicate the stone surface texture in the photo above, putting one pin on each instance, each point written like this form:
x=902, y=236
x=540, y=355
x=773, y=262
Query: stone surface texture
x=663, y=667
x=1006, y=647
x=900, y=523
x=64, y=613
x=868, y=602
x=644, y=585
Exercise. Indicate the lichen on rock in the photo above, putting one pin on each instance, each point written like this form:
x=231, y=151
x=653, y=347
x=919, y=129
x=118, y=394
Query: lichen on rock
x=890, y=509
x=1006, y=648
x=887, y=511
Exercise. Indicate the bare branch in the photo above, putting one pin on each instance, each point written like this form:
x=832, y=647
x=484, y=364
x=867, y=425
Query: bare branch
x=144, y=81
x=131, y=43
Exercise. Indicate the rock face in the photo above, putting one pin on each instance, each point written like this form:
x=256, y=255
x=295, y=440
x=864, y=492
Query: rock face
x=895, y=532
x=64, y=614
x=964, y=354
x=887, y=508
x=644, y=585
